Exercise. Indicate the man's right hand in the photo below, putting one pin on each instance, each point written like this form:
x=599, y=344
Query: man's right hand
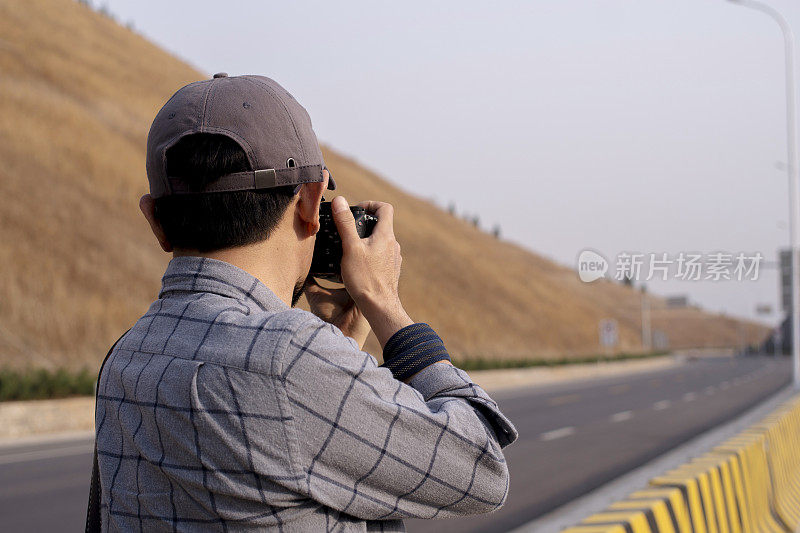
x=371, y=267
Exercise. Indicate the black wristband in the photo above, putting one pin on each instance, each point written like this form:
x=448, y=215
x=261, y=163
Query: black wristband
x=411, y=349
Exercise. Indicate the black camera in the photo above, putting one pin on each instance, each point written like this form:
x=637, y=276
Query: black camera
x=327, y=260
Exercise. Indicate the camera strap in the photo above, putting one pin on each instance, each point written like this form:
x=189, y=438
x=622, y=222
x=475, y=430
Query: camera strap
x=93, y=518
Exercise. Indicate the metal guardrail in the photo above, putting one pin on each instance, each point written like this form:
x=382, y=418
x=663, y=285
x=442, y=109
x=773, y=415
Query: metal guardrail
x=748, y=484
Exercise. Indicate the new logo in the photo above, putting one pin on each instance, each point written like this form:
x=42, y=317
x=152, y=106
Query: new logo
x=591, y=266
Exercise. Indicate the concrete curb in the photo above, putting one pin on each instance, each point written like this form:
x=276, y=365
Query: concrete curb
x=37, y=417
x=508, y=378
x=46, y=438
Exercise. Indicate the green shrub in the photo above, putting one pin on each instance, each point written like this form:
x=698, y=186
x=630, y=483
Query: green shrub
x=483, y=363
x=42, y=384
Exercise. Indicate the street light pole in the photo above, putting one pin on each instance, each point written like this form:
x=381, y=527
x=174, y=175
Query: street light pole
x=794, y=187
x=647, y=344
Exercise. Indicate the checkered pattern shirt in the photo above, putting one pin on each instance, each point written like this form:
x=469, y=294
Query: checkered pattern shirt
x=223, y=409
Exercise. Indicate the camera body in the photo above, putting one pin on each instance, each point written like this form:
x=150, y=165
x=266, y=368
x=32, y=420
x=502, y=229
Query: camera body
x=327, y=260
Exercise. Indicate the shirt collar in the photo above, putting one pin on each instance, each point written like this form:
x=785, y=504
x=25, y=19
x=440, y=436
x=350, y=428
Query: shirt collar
x=201, y=274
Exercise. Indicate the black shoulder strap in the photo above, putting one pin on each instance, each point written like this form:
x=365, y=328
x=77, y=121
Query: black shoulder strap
x=93, y=520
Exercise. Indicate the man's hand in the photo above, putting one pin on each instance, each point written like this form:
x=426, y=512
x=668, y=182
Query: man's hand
x=336, y=307
x=371, y=267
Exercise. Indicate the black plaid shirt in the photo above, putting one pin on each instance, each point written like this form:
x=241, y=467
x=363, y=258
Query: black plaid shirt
x=225, y=410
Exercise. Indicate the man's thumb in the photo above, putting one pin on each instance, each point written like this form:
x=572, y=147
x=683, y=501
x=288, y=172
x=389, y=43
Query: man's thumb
x=345, y=222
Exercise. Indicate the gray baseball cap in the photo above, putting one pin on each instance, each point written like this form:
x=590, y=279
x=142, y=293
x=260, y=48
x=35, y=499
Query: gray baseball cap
x=254, y=111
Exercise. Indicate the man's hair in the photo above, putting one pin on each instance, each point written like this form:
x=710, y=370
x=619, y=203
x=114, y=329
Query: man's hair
x=213, y=221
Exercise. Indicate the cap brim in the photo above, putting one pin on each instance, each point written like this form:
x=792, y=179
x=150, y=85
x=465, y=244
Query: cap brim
x=331, y=183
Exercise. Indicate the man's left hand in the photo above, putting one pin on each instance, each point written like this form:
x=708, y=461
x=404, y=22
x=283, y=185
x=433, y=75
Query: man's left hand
x=336, y=307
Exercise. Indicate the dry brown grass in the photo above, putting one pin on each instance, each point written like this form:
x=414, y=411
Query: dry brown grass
x=78, y=264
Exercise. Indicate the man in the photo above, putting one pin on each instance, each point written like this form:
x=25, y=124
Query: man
x=226, y=409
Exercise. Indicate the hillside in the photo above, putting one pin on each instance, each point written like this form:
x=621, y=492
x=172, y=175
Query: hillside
x=78, y=263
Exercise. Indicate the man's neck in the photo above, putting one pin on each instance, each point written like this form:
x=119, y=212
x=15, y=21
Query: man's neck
x=272, y=262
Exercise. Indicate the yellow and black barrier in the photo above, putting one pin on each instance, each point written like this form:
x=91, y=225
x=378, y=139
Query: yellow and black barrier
x=748, y=484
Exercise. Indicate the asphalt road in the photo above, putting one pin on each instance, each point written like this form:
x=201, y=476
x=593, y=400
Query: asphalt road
x=576, y=437
x=573, y=438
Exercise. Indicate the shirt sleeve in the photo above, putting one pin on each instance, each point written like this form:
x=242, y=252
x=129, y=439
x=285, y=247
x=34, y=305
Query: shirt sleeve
x=411, y=349
x=378, y=449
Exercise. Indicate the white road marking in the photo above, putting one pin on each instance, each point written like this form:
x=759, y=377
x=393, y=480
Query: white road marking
x=724, y=385
x=710, y=390
x=563, y=400
x=23, y=457
x=663, y=404
x=557, y=433
x=689, y=396
x=622, y=416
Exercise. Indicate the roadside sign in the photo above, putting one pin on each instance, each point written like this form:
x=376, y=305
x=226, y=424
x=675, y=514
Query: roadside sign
x=677, y=302
x=609, y=335
x=763, y=309
x=660, y=340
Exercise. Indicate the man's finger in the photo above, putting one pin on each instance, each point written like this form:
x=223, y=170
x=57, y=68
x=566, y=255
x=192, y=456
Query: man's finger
x=370, y=205
x=385, y=214
x=382, y=211
x=344, y=220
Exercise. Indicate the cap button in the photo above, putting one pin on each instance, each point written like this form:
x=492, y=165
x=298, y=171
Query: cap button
x=221, y=75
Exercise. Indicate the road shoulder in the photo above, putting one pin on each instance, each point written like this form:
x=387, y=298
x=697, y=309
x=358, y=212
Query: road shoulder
x=510, y=378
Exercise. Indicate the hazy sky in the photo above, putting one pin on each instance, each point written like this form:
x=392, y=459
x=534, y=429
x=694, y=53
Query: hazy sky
x=635, y=125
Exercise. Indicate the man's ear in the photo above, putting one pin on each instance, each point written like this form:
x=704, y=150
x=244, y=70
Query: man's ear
x=148, y=206
x=308, y=203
